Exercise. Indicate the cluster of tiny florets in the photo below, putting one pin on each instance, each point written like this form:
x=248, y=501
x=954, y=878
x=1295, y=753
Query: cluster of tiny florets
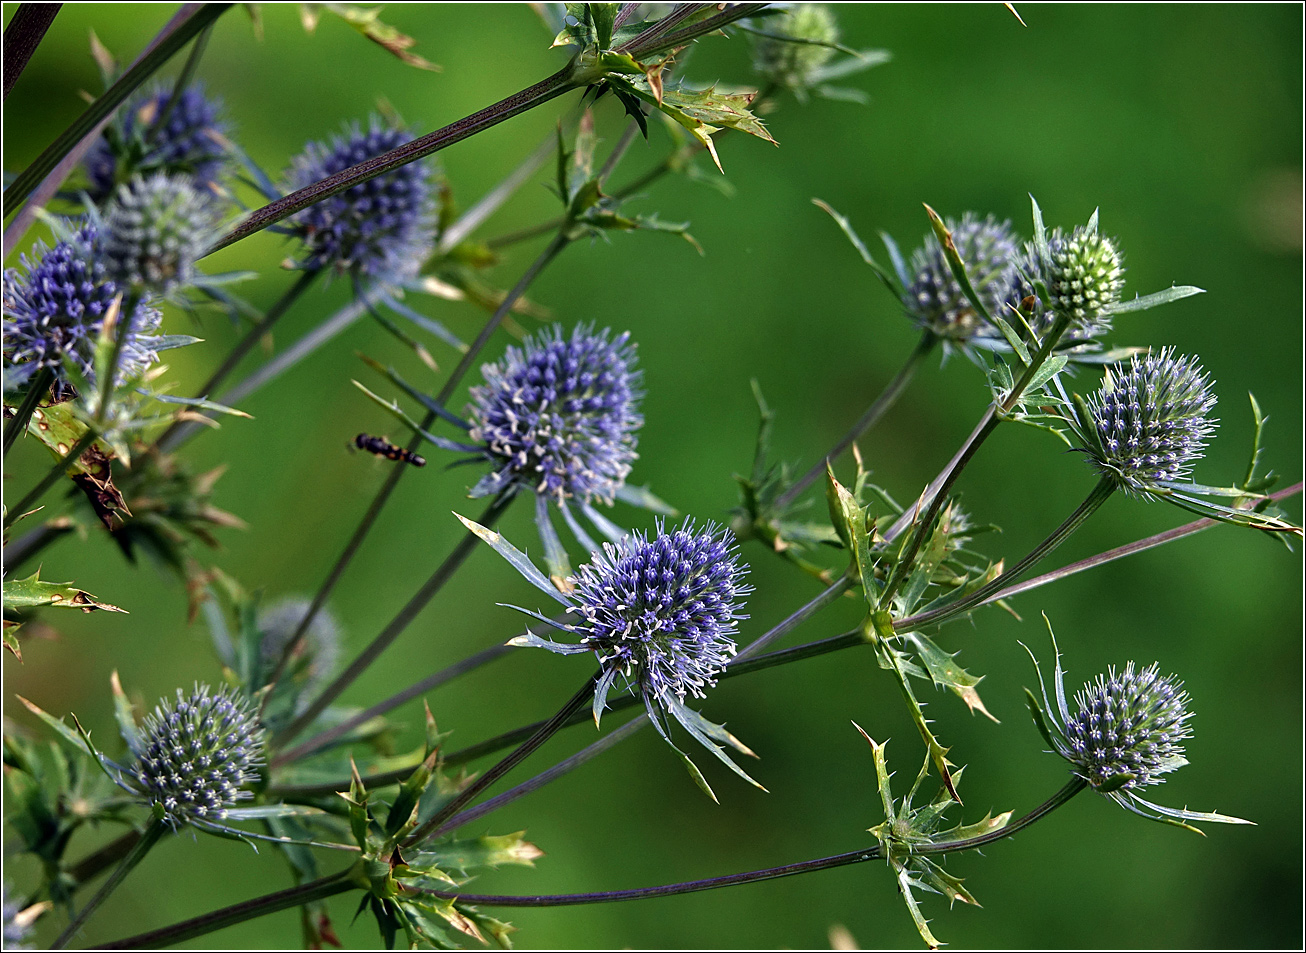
x=935, y=300
x=197, y=753
x=383, y=227
x=155, y=228
x=663, y=612
x=316, y=657
x=1083, y=273
x=793, y=64
x=1129, y=723
x=1150, y=420
x=559, y=415
x=55, y=307
x=192, y=141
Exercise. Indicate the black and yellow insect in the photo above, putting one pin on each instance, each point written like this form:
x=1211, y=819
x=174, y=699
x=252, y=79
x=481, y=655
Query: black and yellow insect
x=384, y=448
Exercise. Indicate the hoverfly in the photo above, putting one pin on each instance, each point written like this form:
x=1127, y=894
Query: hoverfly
x=384, y=448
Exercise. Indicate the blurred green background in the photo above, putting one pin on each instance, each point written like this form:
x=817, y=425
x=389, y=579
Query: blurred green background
x=1182, y=123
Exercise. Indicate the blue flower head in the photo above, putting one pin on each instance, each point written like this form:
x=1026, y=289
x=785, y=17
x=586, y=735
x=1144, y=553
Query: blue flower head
x=560, y=415
x=660, y=615
x=196, y=754
x=55, y=307
x=1127, y=730
x=935, y=300
x=191, y=141
x=1149, y=421
x=382, y=228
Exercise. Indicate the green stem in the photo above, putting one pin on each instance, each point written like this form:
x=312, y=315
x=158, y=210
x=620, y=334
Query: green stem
x=23, y=35
x=33, y=542
x=318, y=889
x=770, y=873
x=987, y=425
x=51, y=478
x=148, y=839
x=39, y=389
x=171, y=438
x=888, y=397
x=396, y=473
x=415, y=605
x=103, y=106
x=91, y=865
x=1099, y=495
x=439, y=821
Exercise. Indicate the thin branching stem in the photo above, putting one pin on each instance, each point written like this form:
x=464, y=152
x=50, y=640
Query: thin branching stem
x=440, y=820
x=51, y=478
x=396, y=473
x=134, y=856
x=888, y=397
x=769, y=873
x=443, y=573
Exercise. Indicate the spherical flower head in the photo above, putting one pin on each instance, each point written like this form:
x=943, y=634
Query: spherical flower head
x=795, y=64
x=560, y=415
x=1149, y=420
x=1128, y=723
x=935, y=300
x=382, y=228
x=1083, y=273
x=155, y=229
x=191, y=141
x=316, y=657
x=663, y=612
x=55, y=307
x=196, y=753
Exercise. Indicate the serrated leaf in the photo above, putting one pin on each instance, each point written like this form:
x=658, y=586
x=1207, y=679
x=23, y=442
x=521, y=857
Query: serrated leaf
x=946, y=673
x=367, y=22
x=468, y=854
x=32, y=592
x=516, y=558
x=1174, y=293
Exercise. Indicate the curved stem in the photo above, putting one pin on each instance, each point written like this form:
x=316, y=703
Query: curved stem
x=36, y=391
x=318, y=889
x=892, y=391
x=520, y=102
x=1099, y=495
x=23, y=35
x=147, y=840
x=769, y=873
x=415, y=605
x=104, y=106
x=171, y=438
x=987, y=425
x=439, y=822
x=396, y=473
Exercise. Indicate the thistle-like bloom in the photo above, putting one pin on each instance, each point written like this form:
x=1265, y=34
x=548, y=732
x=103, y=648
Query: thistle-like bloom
x=55, y=310
x=560, y=415
x=196, y=753
x=1083, y=273
x=191, y=141
x=1129, y=724
x=659, y=614
x=662, y=614
x=935, y=300
x=382, y=228
x=155, y=229
x=1126, y=732
x=795, y=64
x=1148, y=423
